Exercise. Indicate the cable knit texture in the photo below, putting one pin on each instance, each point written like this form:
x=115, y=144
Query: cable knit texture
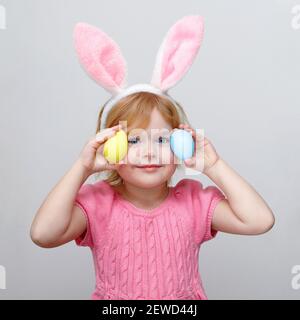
x=147, y=254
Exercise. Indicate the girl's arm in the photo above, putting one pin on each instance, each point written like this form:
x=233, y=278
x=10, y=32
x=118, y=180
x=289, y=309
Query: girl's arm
x=244, y=211
x=58, y=221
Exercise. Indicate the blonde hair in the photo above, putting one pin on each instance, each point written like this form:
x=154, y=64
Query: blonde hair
x=136, y=109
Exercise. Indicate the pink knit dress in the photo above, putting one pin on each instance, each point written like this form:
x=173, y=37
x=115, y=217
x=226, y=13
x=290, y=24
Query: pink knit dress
x=140, y=254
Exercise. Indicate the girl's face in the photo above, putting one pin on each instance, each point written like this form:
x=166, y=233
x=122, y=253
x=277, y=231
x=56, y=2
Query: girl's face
x=150, y=146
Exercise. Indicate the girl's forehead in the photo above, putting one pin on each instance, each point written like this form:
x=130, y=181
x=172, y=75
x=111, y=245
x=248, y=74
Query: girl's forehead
x=155, y=122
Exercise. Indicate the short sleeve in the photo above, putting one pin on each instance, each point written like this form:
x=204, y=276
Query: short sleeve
x=205, y=200
x=96, y=202
x=84, y=200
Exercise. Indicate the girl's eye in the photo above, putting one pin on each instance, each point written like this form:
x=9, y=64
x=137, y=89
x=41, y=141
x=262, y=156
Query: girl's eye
x=163, y=140
x=133, y=140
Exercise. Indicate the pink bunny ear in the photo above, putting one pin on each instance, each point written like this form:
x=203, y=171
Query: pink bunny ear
x=101, y=57
x=177, y=51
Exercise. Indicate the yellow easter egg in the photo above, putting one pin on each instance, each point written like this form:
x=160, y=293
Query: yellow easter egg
x=115, y=148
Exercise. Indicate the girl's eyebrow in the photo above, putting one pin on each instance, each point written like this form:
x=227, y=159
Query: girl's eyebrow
x=156, y=132
x=135, y=131
x=163, y=133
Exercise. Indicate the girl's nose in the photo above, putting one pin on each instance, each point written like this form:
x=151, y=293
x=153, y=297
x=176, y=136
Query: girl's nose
x=150, y=152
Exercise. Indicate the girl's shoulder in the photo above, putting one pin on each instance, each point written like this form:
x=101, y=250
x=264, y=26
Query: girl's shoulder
x=201, y=202
x=195, y=189
x=94, y=192
x=186, y=186
x=103, y=187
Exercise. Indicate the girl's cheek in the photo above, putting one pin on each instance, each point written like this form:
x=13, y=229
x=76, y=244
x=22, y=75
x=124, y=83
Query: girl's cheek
x=167, y=156
x=132, y=155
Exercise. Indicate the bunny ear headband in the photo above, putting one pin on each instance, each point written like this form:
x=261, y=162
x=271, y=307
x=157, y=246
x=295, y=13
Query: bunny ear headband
x=101, y=58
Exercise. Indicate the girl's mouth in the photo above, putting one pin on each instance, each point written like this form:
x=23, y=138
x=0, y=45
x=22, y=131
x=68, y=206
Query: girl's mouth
x=149, y=168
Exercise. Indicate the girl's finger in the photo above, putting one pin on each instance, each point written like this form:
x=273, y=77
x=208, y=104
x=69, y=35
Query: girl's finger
x=199, y=142
x=182, y=125
x=190, y=162
x=116, y=127
x=114, y=166
x=187, y=127
x=101, y=136
x=191, y=131
x=97, y=141
x=109, y=167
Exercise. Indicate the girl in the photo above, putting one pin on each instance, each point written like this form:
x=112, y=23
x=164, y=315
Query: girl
x=144, y=234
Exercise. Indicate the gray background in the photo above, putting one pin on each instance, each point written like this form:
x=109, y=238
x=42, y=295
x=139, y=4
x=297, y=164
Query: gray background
x=243, y=89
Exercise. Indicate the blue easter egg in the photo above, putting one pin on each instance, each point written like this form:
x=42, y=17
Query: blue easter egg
x=182, y=144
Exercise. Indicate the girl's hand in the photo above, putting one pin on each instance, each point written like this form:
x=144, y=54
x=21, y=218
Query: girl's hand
x=91, y=157
x=203, y=148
